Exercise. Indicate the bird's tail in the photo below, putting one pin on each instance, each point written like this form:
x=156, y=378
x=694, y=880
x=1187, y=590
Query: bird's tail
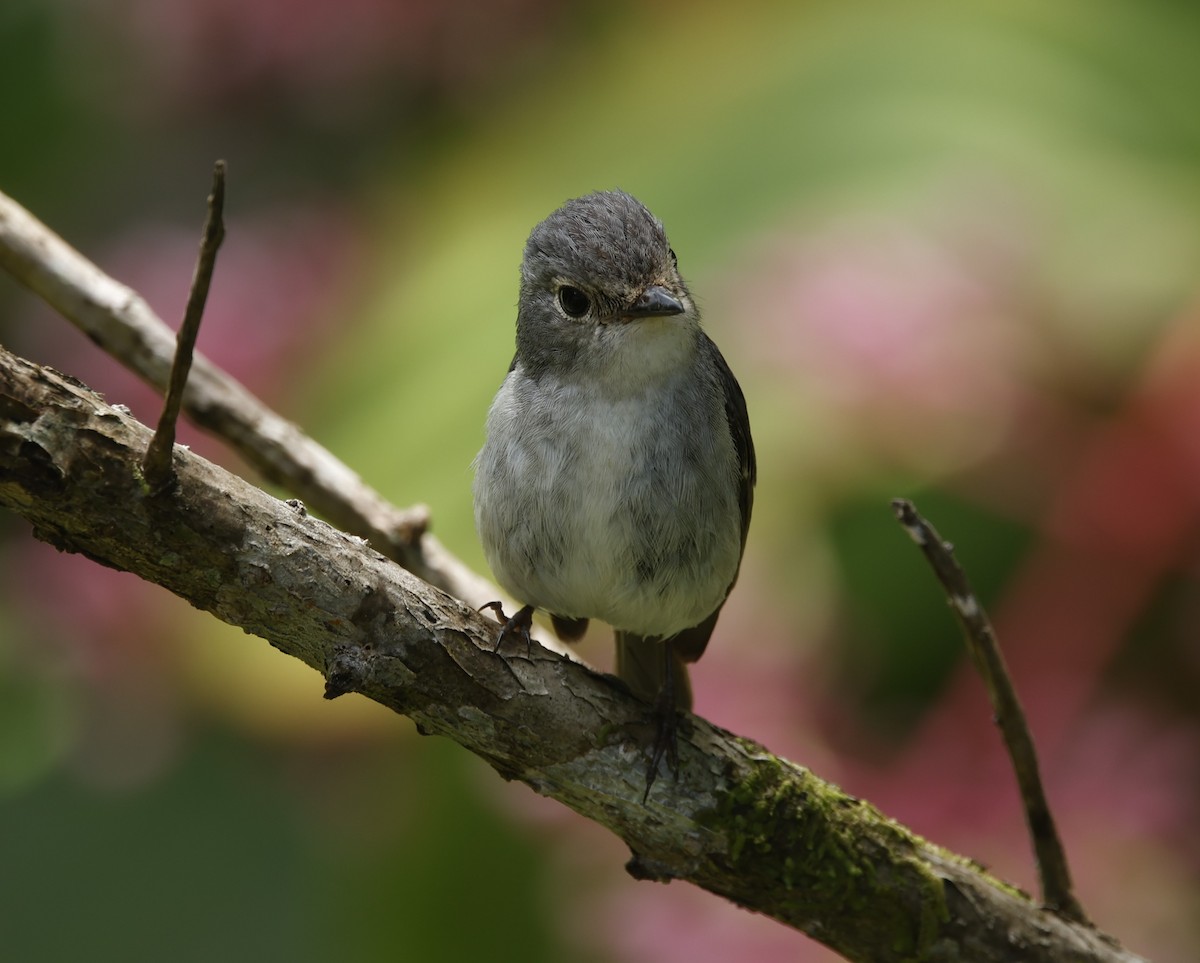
x=647, y=666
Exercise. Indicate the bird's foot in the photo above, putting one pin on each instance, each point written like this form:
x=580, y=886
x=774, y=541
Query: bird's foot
x=666, y=738
x=521, y=622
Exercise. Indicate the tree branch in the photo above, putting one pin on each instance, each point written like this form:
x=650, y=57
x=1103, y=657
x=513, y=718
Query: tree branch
x=121, y=323
x=985, y=652
x=738, y=821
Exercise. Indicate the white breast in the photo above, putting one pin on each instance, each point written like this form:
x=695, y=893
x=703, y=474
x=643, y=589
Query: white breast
x=619, y=506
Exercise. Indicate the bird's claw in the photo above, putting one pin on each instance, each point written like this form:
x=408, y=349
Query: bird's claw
x=666, y=740
x=522, y=621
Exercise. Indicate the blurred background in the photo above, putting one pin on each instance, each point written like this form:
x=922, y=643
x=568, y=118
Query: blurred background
x=950, y=250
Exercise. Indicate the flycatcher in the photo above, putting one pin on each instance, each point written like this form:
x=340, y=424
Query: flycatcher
x=618, y=474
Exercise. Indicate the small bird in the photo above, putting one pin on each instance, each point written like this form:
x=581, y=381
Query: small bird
x=617, y=477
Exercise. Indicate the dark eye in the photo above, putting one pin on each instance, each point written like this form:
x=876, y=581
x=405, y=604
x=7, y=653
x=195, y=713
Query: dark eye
x=573, y=301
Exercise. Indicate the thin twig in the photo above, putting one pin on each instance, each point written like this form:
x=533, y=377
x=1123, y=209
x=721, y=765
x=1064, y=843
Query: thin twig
x=156, y=466
x=1057, y=891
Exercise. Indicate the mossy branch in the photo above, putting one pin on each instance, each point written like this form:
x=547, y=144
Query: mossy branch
x=764, y=832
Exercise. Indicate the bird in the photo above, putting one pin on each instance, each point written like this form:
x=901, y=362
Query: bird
x=616, y=480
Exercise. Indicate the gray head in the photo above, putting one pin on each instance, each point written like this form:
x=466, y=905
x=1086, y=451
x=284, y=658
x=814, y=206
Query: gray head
x=599, y=280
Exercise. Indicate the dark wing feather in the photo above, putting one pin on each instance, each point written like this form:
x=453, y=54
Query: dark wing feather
x=739, y=430
x=690, y=643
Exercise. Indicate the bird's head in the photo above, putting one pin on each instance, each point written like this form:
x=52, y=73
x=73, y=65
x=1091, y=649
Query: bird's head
x=599, y=282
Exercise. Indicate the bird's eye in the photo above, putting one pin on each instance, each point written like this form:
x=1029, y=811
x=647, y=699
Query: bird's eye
x=573, y=301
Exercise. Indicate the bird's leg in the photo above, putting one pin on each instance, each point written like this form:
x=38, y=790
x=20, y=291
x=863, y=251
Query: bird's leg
x=666, y=724
x=522, y=621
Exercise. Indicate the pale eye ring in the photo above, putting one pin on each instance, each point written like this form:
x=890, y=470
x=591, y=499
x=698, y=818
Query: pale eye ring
x=574, y=302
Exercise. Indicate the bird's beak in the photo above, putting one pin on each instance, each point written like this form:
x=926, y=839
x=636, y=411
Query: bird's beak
x=655, y=301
